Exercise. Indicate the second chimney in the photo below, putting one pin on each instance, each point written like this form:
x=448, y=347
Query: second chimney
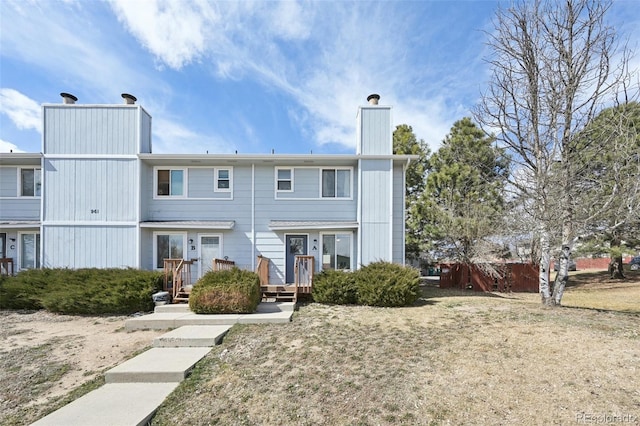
x=373, y=99
x=68, y=98
x=129, y=99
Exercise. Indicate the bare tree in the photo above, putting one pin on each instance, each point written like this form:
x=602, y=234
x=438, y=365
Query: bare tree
x=555, y=65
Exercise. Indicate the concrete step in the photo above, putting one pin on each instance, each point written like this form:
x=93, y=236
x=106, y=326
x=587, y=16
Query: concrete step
x=172, y=307
x=270, y=312
x=190, y=336
x=157, y=365
x=131, y=404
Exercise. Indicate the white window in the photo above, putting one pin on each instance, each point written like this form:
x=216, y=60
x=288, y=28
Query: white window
x=170, y=182
x=336, y=183
x=29, y=250
x=223, y=180
x=284, y=180
x=168, y=246
x=337, y=251
x=30, y=182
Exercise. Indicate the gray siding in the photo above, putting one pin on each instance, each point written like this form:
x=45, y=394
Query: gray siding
x=398, y=214
x=306, y=183
x=375, y=224
x=238, y=208
x=375, y=131
x=145, y=132
x=90, y=190
x=103, y=130
x=236, y=245
x=201, y=183
x=8, y=181
x=89, y=246
x=20, y=209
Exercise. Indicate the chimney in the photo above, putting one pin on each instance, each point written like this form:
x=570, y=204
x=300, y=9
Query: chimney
x=129, y=99
x=373, y=99
x=68, y=98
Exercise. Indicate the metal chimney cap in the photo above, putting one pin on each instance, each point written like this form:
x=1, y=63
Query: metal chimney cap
x=68, y=98
x=373, y=99
x=129, y=99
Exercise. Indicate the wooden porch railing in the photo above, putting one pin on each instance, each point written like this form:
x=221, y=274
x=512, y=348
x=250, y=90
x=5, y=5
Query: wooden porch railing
x=303, y=271
x=262, y=269
x=6, y=266
x=223, y=264
x=178, y=272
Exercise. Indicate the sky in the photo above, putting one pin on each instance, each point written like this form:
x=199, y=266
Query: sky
x=251, y=77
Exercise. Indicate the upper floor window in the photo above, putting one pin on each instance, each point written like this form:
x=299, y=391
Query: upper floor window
x=336, y=183
x=223, y=180
x=284, y=179
x=170, y=182
x=30, y=182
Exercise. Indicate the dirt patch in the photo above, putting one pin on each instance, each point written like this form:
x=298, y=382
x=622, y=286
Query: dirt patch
x=45, y=356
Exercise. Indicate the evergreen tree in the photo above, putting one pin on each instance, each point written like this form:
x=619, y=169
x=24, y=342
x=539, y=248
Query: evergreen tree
x=463, y=200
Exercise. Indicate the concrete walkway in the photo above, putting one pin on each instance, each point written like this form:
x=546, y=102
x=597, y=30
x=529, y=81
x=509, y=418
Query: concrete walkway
x=135, y=389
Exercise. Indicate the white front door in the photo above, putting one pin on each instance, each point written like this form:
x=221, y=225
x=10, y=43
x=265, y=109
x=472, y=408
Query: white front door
x=210, y=248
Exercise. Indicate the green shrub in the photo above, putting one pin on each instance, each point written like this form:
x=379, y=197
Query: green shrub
x=226, y=292
x=387, y=284
x=83, y=291
x=14, y=296
x=335, y=287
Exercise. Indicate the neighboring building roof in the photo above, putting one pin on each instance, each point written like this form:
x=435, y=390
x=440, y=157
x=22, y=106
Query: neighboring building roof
x=17, y=224
x=20, y=158
x=189, y=224
x=283, y=225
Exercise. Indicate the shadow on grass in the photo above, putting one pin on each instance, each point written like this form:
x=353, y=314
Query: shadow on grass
x=600, y=279
x=433, y=291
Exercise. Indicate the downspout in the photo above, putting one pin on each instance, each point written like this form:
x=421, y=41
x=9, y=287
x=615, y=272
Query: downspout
x=359, y=216
x=253, y=216
x=138, y=191
x=42, y=189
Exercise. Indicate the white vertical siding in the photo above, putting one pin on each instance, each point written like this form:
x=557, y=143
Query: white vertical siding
x=90, y=190
x=375, y=211
x=89, y=246
x=375, y=131
x=95, y=129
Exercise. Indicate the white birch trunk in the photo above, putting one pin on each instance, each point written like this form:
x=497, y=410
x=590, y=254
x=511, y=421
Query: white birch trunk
x=562, y=276
x=543, y=280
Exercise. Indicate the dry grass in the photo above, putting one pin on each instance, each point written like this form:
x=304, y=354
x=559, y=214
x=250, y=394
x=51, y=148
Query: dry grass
x=455, y=358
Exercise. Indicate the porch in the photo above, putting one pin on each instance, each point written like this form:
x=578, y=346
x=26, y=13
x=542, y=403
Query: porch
x=177, y=279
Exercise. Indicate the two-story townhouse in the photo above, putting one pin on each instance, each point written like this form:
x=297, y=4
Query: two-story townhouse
x=98, y=197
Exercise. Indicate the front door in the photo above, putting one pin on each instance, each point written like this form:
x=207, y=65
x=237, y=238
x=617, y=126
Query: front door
x=209, y=249
x=295, y=245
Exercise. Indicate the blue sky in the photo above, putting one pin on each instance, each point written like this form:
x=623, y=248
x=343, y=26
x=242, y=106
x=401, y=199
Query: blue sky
x=251, y=76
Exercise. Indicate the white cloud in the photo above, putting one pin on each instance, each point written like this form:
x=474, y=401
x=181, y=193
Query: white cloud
x=174, y=31
x=23, y=111
x=8, y=147
x=174, y=138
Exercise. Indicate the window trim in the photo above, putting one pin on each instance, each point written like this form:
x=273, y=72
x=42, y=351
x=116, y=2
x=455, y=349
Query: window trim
x=351, y=248
x=155, y=245
x=36, y=248
x=20, y=194
x=216, y=178
x=185, y=180
x=336, y=169
x=278, y=180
